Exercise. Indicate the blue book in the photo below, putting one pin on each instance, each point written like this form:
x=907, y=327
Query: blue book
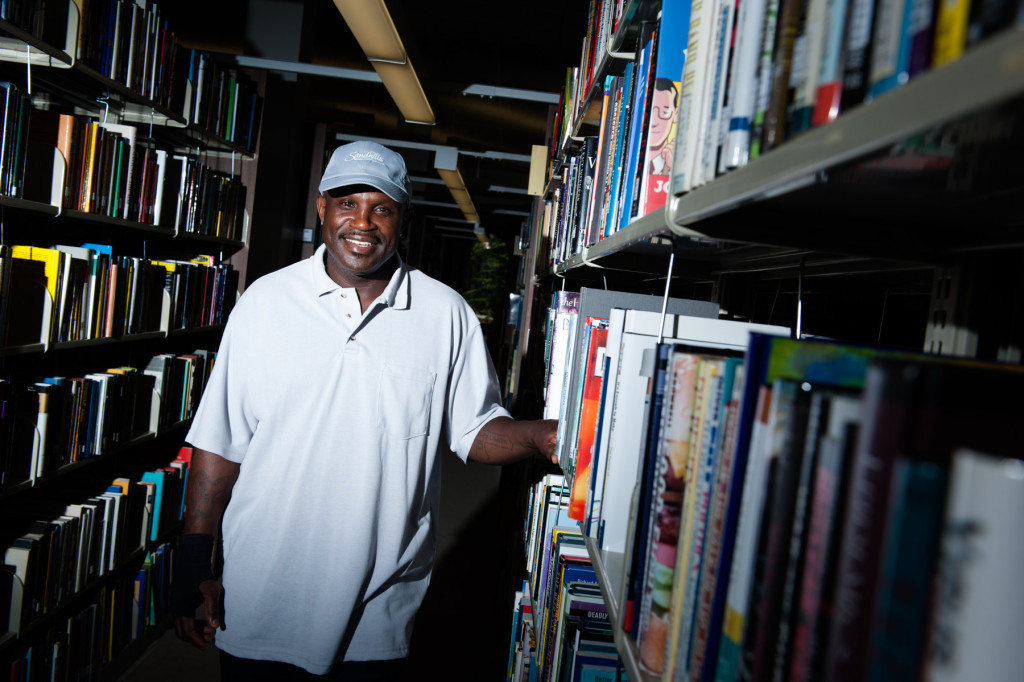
x=890, y=48
x=636, y=126
x=615, y=167
x=157, y=478
x=917, y=506
x=641, y=535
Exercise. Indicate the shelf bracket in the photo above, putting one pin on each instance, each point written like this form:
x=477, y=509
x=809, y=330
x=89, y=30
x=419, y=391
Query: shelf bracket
x=800, y=298
x=668, y=286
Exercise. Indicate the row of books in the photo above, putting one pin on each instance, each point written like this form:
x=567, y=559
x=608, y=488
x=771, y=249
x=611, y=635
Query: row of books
x=607, y=21
x=715, y=84
x=796, y=509
x=54, y=550
x=76, y=293
x=106, y=171
x=15, y=110
x=622, y=172
x=52, y=423
x=216, y=97
x=567, y=634
x=80, y=646
x=47, y=21
x=203, y=201
x=759, y=73
x=128, y=42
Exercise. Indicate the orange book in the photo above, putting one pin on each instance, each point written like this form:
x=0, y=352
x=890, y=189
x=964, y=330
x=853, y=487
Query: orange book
x=65, y=140
x=589, y=409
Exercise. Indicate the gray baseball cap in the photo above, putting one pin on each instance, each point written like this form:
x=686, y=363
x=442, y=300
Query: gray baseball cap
x=368, y=163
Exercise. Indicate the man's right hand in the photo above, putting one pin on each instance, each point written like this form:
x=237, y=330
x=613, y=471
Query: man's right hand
x=199, y=631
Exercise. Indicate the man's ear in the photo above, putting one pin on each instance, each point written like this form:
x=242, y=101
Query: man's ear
x=320, y=204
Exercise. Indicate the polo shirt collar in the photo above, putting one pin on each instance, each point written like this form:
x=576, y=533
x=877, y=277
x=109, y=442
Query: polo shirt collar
x=396, y=294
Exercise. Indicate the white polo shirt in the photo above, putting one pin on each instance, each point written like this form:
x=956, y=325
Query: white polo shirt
x=336, y=418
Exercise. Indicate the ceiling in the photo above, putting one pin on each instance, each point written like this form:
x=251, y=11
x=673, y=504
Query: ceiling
x=453, y=44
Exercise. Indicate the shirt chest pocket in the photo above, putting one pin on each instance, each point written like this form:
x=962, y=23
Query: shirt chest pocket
x=403, y=402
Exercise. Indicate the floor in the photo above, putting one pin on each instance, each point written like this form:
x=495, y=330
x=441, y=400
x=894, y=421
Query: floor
x=462, y=628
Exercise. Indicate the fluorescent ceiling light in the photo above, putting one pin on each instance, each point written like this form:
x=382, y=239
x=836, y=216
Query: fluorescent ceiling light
x=511, y=93
x=500, y=156
x=375, y=32
x=310, y=69
x=506, y=190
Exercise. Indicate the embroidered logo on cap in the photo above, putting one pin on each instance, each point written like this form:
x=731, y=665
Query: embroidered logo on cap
x=366, y=156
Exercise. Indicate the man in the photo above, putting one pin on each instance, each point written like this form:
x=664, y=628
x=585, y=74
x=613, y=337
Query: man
x=338, y=381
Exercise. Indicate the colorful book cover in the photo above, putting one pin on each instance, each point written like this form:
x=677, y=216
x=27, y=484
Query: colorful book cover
x=589, y=410
x=664, y=104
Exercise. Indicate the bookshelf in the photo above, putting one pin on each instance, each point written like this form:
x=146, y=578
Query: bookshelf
x=888, y=197
x=110, y=313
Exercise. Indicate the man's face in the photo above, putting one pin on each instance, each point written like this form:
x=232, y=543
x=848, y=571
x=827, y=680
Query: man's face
x=361, y=227
x=663, y=115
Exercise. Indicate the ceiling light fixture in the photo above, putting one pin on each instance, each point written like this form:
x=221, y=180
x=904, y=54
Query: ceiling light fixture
x=446, y=164
x=375, y=32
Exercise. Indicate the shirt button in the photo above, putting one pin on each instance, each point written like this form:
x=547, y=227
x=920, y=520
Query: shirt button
x=352, y=338
x=343, y=294
x=348, y=315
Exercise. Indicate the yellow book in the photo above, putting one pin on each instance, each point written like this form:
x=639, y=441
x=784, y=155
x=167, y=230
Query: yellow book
x=950, y=30
x=52, y=260
x=89, y=167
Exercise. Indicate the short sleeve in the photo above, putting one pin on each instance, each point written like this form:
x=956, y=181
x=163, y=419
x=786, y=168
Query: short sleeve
x=224, y=422
x=474, y=397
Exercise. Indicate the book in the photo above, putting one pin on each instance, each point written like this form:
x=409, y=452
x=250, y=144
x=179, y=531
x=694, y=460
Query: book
x=747, y=53
x=828, y=500
x=975, y=618
x=672, y=465
x=26, y=280
x=687, y=158
x=721, y=44
x=711, y=492
x=564, y=305
x=589, y=412
x=830, y=86
x=673, y=26
x=918, y=410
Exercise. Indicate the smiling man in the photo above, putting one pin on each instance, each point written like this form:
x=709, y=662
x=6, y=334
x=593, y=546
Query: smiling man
x=339, y=381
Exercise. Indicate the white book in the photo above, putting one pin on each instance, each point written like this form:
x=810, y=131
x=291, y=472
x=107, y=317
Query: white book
x=980, y=605
x=98, y=445
x=743, y=83
x=114, y=532
x=18, y=559
x=564, y=323
x=725, y=11
x=161, y=173
x=686, y=161
x=84, y=514
x=104, y=520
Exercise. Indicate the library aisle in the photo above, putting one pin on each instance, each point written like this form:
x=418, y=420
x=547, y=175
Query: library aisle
x=464, y=593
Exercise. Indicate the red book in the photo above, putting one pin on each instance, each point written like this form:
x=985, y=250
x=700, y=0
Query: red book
x=589, y=409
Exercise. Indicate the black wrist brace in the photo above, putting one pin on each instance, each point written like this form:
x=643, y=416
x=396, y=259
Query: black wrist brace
x=191, y=567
